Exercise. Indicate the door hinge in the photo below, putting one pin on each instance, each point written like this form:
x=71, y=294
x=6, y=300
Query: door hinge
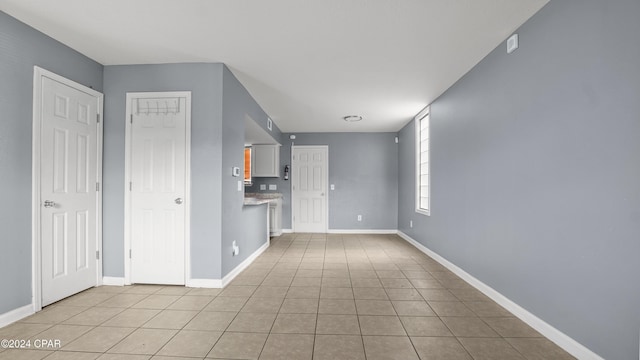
x=129, y=253
x=97, y=254
x=98, y=118
x=130, y=186
x=97, y=186
x=131, y=118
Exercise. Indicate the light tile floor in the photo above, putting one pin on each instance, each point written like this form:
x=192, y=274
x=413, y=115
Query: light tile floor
x=309, y=296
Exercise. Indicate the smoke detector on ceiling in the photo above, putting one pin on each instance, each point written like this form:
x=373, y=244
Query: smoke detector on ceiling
x=352, y=118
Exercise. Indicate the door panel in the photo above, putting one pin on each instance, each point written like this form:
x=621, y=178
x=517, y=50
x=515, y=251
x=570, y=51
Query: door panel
x=59, y=241
x=68, y=170
x=82, y=166
x=309, y=189
x=158, y=186
x=82, y=238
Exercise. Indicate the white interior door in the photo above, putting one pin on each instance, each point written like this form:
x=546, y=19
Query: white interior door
x=158, y=187
x=68, y=172
x=309, y=188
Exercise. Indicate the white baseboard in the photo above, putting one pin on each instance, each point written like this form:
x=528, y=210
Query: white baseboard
x=287, y=231
x=220, y=283
x=204, y=283
x=243, y=265
x=16, y=314
x=362, y=231
x=561, y=339
x=113, y=281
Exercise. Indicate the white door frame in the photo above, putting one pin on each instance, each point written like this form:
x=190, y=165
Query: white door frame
x=326, y=184
x=127, y=177
x=36, y=208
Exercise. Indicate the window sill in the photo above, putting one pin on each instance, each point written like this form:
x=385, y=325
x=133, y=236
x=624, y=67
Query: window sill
x=423, y=212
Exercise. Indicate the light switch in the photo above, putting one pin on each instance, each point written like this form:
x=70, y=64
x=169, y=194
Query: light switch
x=240, y=183
x=333, y=186
x=263, y=186
x=273, y=187
x=512, y=43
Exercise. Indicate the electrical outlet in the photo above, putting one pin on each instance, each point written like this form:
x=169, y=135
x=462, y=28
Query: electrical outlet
x=410, y=223
x=263, y=186
x=240, y=185
x=359, y=217
x=333, y=186
x=235, y=250
x=273, y=187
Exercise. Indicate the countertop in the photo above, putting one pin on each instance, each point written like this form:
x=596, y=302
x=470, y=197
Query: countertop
x=251, y=199
x=268, y=196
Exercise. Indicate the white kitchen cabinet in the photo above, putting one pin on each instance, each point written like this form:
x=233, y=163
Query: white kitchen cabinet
x=265, y=161
x=275, y=217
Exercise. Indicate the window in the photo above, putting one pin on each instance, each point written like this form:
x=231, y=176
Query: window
x=422, y=162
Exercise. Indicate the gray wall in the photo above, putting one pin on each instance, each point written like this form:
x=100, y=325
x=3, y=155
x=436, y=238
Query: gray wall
x=22, y=47
x=237, y=103
x=364, y=169
x=205, y=83
x=254, y=233
x=535, y=185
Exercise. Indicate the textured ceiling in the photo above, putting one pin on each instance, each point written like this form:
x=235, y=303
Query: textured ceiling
x=307, y=63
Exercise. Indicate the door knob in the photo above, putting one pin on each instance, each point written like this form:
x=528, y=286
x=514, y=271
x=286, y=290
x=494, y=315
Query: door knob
x=178, y=201
x=49, y=204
